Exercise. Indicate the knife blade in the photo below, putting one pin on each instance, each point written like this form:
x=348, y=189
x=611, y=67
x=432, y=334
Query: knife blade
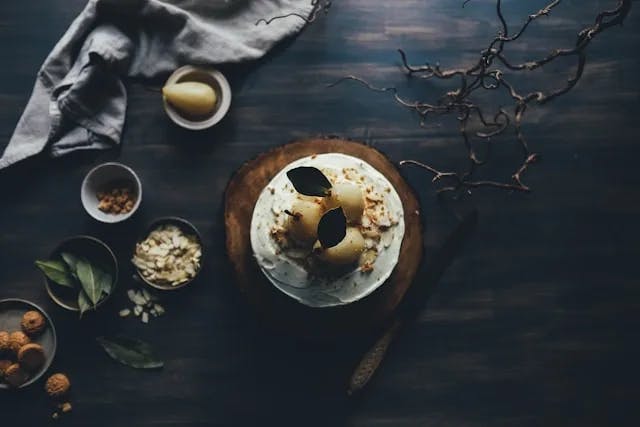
x=412, y=304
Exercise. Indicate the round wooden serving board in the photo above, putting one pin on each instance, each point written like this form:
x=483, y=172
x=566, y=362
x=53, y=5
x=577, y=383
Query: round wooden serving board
x=282, y=311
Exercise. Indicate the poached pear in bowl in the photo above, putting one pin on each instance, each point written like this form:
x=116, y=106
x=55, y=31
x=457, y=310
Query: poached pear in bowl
x=196, y=98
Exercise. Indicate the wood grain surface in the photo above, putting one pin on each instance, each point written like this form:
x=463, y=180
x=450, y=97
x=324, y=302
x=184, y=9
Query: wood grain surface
x=285, y=314
x=535, y=324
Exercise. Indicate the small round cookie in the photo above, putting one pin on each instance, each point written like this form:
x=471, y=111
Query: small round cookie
x=57, y=385
x=4, y=364
x=15, y=376
x=16, y=340
x=4, y=341
x=33, y=322
x=31, y=357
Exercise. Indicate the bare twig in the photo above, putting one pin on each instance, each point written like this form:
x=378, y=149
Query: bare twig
x=484, y=74
x=318, y=6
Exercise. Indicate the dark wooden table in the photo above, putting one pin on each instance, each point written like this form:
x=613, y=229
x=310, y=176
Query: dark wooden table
x=536, y=323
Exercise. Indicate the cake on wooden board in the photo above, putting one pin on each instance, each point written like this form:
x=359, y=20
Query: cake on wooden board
x=340, y=314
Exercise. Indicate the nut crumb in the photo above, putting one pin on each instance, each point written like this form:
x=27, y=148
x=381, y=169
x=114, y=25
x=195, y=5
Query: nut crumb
x=366, y=268
x=118, y=200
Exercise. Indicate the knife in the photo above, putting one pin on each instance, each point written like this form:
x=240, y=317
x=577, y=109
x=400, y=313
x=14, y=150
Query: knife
x=412, y=303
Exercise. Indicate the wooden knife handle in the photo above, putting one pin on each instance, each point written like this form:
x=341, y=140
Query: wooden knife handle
x=372, y=359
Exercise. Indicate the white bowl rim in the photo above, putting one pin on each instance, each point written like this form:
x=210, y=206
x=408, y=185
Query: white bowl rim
x=117, y=217
x=225, y=98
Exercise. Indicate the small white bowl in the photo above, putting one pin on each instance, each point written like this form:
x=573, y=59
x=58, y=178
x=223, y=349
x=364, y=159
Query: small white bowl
x=209, y=76
x=100, y=177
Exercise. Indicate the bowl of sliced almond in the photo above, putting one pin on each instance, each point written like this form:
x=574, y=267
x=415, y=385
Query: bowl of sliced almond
x=169, y=254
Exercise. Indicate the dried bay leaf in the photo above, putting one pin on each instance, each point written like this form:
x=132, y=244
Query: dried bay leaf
x=83, y=302
x=57, y=272
x=71, y=261
x=94, y=282
x=89, y=277
x=309, y=181
x=332, y=228
x=106, y=281
x=130, y=352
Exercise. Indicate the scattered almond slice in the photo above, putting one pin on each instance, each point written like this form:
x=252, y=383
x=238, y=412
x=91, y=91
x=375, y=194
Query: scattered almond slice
x=159, y=309
x=145, y=304
x=136, y=297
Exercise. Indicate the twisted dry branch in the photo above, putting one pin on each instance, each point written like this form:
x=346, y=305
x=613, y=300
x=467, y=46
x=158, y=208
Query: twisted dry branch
x=486, y=75
x=318, y=6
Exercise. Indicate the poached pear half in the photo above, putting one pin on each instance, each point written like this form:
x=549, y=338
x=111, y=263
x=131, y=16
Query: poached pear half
x=191, y=98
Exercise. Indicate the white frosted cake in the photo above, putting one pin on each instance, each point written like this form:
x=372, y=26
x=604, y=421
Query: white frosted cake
x=290, y=243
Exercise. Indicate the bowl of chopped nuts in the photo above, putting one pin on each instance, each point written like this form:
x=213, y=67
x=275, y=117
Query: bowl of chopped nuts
x=169, y=254
x=111, y=192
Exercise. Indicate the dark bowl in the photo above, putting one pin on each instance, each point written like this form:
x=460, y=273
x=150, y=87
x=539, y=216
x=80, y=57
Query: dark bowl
x=187, y=228
x=11, y=311
x=91, y=248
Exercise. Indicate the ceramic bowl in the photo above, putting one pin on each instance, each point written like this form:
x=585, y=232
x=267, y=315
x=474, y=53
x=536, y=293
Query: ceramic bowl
x=101, y=178
x=91, y=248
x=188, y=229
x=11, y=312
x=211, y=77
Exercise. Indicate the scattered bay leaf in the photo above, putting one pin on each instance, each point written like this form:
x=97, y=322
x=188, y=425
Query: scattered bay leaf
x=130, y=352
x=309, y=181
x=57, y=272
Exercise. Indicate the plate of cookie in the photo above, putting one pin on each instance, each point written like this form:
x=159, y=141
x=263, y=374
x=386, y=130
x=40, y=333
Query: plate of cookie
x=27, y=343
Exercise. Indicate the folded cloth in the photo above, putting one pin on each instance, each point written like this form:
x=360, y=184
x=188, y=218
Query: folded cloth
x=79, y=98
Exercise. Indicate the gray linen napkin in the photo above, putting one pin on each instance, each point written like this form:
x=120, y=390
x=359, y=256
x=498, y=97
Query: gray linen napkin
x=79, y=99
